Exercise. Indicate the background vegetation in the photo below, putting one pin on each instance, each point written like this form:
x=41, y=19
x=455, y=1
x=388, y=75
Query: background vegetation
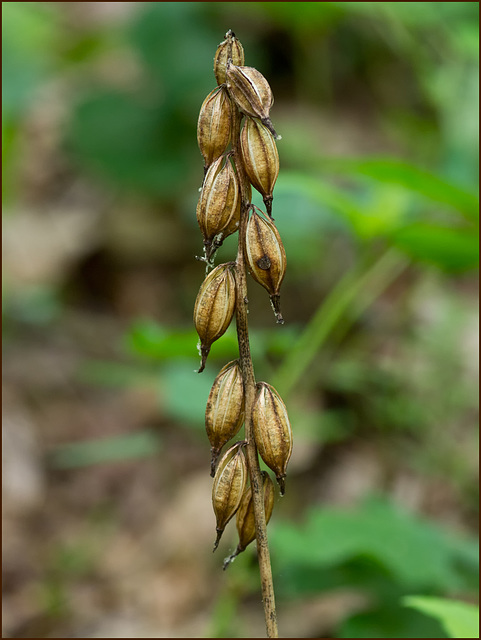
x=107, y=518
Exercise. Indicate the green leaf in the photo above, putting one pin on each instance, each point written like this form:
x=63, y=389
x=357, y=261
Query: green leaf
x=412, y=551
x=29, y=33
x=101, y=450
x=411, y=177
x=184, y=392
x=130, y=140
x=305, y=203
x=113, y=374
x=451, y=248
x=175, y=41
x=461, y=620
x=390, y=621
x=158, y=343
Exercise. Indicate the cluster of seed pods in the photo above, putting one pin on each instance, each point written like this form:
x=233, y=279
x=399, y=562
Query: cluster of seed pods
x=246, y=90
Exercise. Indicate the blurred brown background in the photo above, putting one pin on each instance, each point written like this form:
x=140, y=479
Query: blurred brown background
x=107, y=518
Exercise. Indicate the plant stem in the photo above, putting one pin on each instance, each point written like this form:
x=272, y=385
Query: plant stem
x=250, y=391
x=334, y=309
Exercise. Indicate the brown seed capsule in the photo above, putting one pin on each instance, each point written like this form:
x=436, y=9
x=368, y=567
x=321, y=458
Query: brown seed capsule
x=245, y=520
x=219, y=202
x=224, y=413
x=229, y=484
x=251, y=93
x=214, y=125
x=261, y=160
x=229, y=48
x=233, y=225
x=272, y=430
x=266, y=257
x=214, y=307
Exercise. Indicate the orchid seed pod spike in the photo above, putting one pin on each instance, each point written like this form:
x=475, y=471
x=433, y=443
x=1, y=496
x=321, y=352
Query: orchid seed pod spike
x=224, y=414
x=214, y=125
x=272, y=431
x=260, y=157
x=251, y=93
x=266, y=257
x=245, y=521
x=230, y=48
x=228, y=487
x=214, y=307
x=219, y=202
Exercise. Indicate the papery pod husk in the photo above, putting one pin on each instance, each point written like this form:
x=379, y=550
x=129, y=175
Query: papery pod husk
x=231, y=228
x=229, y=483
x=266, y=257
x=233, y=225
x=229, y=48
x=224, y=414
x=214, y=125
x=261, y=160
x=219, y=202
x=251, y=93
x=214, y=307
x=245, y=519
x=272, y=431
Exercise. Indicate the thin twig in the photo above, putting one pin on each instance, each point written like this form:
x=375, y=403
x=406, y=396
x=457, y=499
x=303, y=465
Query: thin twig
x=250, y=390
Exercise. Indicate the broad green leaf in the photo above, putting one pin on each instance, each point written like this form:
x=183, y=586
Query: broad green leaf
x=411, y=177
x=410, y=549
x=451, y=248
x=460, y=619
x=390, y=621
x=175, y=41
x=131, y=140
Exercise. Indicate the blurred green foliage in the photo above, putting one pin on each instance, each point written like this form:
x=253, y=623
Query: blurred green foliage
x=351, y=224
x=384, y=549
x=461, y=620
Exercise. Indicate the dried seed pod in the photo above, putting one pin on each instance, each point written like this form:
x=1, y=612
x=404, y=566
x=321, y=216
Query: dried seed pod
x=214, y=307
x=266, y=257
x=224, y=413
x=229, y=484
x=233, y=225
x=219, y=202
x=261, y=160
x=229, y=48
x=272, y=431
x=214, y=125
x=245, y=520
x=251, y=93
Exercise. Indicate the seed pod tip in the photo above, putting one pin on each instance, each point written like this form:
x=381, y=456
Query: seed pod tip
x=276, y=307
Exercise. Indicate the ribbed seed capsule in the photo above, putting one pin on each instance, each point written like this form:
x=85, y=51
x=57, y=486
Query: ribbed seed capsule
x=214, y=307
x=219, y=202
x=229, y=48
x=233, y=225
x=251, y=93
x=229, y=484
x=266, y=257
x=214, y=125
x=272, y=431
x=224, y=413
x=261, y=160
x=245, y=520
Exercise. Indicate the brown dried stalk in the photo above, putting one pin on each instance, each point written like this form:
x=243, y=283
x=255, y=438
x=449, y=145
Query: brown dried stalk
x=249, y=390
